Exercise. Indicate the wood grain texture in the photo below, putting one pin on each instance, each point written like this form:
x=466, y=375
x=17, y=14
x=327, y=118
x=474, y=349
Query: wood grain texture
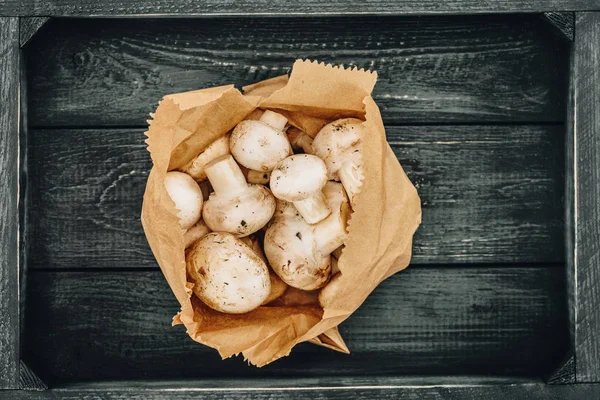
x=489, y=193
x=9, y=148
x=92, y=73
x=29, y=26
x=563, y=23
x=279, y=7
x=587, y=196
x=531, y=391
x=117, y=325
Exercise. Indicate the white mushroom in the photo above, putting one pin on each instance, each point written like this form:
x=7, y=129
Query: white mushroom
x=195, y=232
x=195, y=168
x=259, y=177
x=290, y=248
x=260, y=145
x=300, y=179
x=235, y=206
x=278, y=287
x=339, y=144
x=300, y=140
x=228, y=276
x=186, y=195
x=332, y=231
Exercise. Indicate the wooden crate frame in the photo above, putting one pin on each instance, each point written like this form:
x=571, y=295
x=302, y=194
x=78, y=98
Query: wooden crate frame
x=578, y=377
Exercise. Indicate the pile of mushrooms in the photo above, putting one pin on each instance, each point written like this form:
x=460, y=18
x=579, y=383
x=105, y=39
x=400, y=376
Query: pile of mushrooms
x=259, y=218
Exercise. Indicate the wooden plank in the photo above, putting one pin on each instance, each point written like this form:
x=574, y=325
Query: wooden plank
x=442, y=69
x=9, y=213
x=29, y=26
x=489, y=193
x=587, y=196
x=279, y=7
x=116, y=325
x=529, y=391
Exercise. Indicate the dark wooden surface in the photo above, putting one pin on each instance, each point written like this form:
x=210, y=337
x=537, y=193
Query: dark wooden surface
x=313, y=391
x=489, y=193
x=483, y=98
x=443, y=69
x=9, y=268
x=587, y=196
x=97, y=325
x=280, y=7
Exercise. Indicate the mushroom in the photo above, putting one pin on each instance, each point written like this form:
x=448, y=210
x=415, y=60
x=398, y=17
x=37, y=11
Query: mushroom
x=290, y=248
x=186, y=195
x=235, y=206
x=300, y=179
x=195, y=232
x=259, y=177
x=278, y=287
x=339, y=145
x=228, y=276
x=196, y=167
x=300, y=140
x=260, y=145
x=332, y=231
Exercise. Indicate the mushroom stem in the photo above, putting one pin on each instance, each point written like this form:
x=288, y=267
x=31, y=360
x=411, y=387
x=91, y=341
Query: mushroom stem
x=225, y=176
x=351, y=177
x=313, y=209
x=273, y=119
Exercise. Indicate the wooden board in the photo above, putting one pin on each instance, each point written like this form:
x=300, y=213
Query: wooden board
x=490, y=194
x=587, y=197
x=445, y=69
x=529, y=391
x=9, y=213
x=279, y=7
x=116, y=325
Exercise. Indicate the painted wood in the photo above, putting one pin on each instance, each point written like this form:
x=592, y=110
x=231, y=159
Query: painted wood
x=533, y=391
x=490, y=194
x=563, y=23
x=279, y=7
x=92, y=73
x=98, y=325
x=564, y=374
x=9, y=263
x=587, y=196
x=29, y=26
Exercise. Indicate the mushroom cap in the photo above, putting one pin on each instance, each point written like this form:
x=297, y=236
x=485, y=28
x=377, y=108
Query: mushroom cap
x=187, y=196
x=298, y=177
x=241, y=214
x=329, y=292
x=336, y=141
x=258, y=146
x=290, y=249
x=228, y=276
x=278, y=287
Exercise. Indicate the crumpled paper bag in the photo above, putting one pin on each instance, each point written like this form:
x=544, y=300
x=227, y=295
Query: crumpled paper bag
x=380, y=231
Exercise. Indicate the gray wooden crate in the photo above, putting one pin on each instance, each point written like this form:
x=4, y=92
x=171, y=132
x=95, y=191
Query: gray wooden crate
x=494, y=117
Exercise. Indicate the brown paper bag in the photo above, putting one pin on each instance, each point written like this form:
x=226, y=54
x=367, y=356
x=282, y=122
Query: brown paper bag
x=381, y=228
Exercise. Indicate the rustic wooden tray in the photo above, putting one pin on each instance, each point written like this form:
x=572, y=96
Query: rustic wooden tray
x=495, y=118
